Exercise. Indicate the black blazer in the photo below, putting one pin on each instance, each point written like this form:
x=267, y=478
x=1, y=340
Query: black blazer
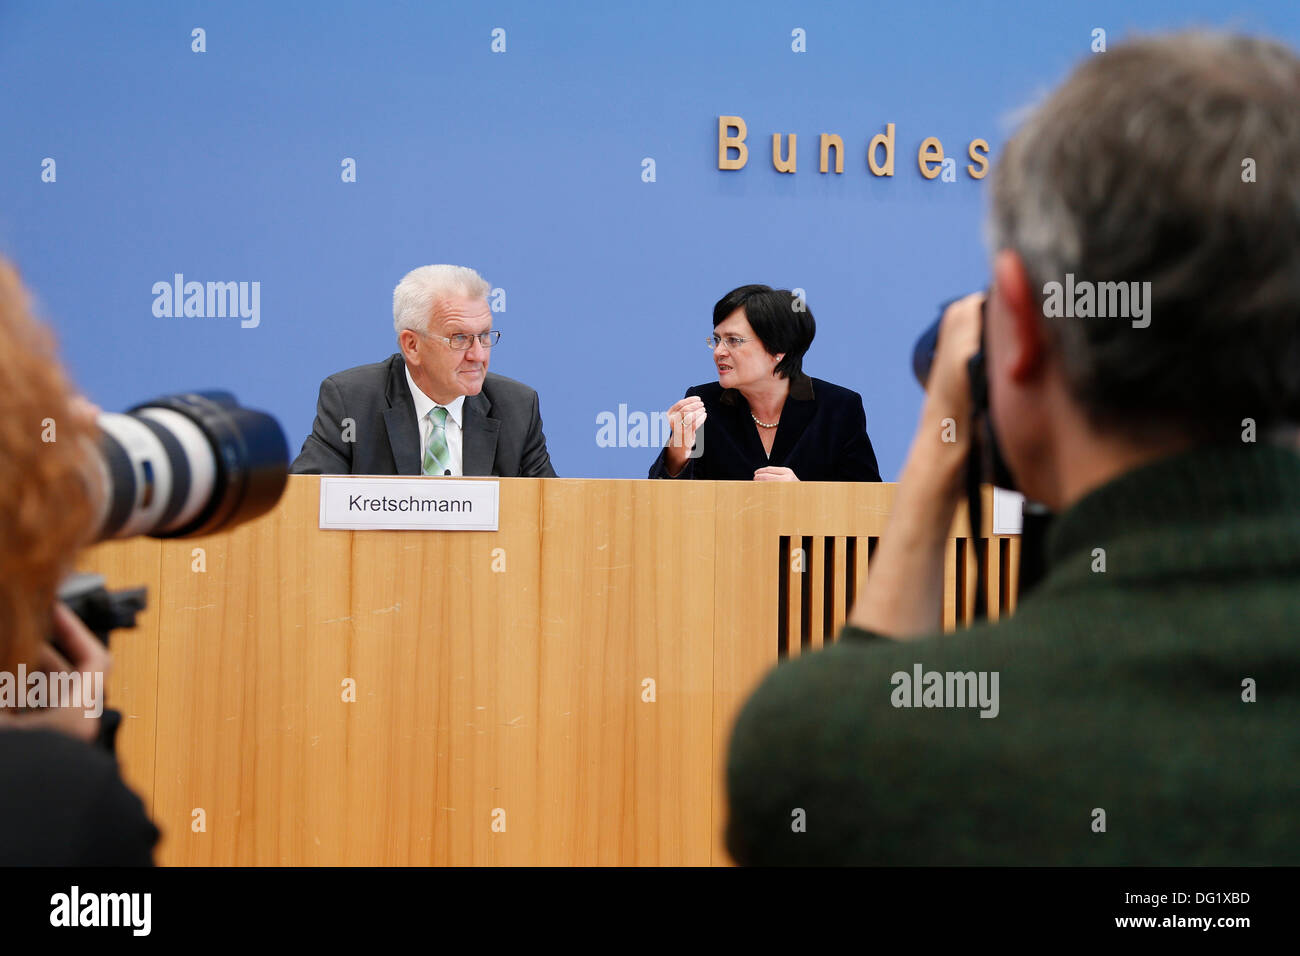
x=502, y=427
x=63, y=803
x=822, y=436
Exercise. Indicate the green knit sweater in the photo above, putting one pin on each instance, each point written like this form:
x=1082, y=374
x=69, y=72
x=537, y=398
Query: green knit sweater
x=1121, y=736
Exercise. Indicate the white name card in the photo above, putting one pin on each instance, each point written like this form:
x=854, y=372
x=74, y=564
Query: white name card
x=1007, y=518
x=402, y=504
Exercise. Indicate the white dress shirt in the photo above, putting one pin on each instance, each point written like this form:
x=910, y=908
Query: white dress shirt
x=453, y=427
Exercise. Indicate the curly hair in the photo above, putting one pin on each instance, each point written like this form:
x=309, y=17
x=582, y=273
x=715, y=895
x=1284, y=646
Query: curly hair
x=46, y=505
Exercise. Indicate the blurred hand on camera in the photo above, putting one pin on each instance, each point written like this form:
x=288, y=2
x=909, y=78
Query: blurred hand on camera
x=947, y=390
x=73, y=648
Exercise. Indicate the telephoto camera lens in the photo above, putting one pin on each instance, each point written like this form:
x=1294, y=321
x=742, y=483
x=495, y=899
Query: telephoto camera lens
x=188, y=464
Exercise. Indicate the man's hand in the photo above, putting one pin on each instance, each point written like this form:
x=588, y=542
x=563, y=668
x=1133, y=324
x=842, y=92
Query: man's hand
x=903, y=597
x=74, y=648
x=685, y=418
x=946, y=413
x=774, y=473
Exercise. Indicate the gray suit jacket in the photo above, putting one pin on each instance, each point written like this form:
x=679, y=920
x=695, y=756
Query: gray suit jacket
x=502, y=427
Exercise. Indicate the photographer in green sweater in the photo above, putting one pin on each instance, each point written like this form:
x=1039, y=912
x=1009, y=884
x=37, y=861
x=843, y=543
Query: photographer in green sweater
x=1142, y=706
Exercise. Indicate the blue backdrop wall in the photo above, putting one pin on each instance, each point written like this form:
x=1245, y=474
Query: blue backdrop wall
x=527, y=164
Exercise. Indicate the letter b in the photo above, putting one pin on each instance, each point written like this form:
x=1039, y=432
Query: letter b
x=727, y=142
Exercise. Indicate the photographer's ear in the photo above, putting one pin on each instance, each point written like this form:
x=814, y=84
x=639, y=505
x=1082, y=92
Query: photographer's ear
x=1016, y=333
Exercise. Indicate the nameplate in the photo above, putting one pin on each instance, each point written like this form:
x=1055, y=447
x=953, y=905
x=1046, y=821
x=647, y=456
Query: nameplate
x=1007, y=507
x=407, y=504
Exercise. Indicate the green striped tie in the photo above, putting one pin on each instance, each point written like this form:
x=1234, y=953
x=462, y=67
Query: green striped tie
x=436, y=456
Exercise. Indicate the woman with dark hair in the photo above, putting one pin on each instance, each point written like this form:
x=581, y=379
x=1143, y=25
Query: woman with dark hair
x=770, y=421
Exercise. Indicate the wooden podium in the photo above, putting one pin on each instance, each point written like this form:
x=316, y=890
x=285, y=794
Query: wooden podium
x=558, y=692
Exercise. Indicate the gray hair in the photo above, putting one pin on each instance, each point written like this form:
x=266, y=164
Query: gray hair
x=422, y=289
x=1133, y=171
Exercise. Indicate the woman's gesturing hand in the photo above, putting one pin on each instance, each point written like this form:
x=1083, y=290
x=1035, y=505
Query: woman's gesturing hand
x=685, y=418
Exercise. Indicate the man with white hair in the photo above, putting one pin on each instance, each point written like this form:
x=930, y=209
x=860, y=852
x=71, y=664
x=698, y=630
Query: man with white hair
x=433, y=408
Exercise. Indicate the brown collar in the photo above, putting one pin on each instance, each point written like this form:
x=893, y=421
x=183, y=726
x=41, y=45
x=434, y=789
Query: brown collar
x=801, y=390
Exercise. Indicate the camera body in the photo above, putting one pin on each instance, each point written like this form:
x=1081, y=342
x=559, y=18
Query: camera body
x=986, y=462
x=993, y=466
x=101, y=610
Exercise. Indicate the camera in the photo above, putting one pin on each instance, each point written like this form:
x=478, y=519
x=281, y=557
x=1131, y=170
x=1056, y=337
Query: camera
x=993, y=467
x=188, y=464
x=986, y=463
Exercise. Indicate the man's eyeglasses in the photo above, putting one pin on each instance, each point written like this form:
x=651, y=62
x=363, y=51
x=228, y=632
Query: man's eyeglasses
x=733, y=341
x=463, y=341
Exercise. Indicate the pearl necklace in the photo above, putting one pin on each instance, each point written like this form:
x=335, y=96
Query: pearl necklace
x=763, y=424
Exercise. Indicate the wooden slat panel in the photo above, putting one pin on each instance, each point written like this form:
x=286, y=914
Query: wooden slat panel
x=973, y=546
x=840, y=577
x=950, y=586
x=1013, y=586
x=993, y=582
x=864, y=566
x=798, y=572
x=816, y=591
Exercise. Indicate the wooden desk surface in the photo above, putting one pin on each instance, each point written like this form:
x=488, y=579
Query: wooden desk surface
x=556, y=692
